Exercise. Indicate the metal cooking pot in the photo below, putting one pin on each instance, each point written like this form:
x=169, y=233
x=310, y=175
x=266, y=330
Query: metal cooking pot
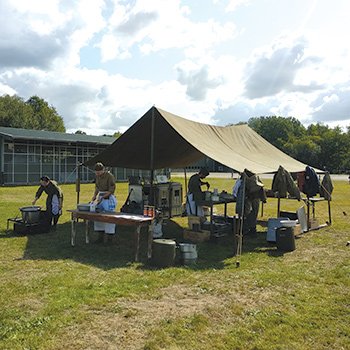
x=30, y=215
x=188, y=247
x=83, y=206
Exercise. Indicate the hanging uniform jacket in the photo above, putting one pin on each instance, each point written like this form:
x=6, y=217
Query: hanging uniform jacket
x=326, y=188
x=312, y=183
x=283, y=182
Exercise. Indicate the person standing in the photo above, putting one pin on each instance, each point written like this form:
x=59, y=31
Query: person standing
x=54, y=200
x=195, y=196
x=104, y=196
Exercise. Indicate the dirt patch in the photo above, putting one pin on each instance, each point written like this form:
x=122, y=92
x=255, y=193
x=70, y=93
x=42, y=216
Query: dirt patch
x=125, y=325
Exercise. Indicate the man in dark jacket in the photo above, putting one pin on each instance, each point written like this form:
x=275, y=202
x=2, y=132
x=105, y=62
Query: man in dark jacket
x=195, y=195
x=54, y=200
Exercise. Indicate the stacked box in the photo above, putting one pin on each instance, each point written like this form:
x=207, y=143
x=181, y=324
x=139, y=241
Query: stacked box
x=194, y=221
x=297, y=230
x=196, y=237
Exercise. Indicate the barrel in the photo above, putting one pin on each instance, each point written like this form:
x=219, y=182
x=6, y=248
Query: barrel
x=163, y=252
x=285, y=240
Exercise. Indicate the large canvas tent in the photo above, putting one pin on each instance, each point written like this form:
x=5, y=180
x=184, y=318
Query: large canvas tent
x=160, y=139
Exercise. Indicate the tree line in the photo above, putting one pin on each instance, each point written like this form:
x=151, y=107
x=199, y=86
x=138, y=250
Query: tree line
x=317, y=145
x=35, y=113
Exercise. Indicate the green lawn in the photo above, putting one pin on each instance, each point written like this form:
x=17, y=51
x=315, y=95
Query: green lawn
x=54, y=296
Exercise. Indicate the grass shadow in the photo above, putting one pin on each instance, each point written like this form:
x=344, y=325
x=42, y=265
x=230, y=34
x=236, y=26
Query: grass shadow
x=211, y=254
x=259, y=244
x=56, y=245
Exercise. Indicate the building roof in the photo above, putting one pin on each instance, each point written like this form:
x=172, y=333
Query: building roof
x=53, y=136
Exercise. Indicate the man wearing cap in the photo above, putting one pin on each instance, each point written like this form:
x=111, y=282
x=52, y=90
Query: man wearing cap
x=195, y=195
x=104, y=196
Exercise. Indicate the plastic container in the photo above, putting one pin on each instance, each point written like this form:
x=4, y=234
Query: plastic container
x=272, y=225
x=289, y=223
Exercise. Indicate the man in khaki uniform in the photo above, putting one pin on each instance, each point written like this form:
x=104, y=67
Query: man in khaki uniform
x=104, y=194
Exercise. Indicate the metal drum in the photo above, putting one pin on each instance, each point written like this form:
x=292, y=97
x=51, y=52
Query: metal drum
x=163, y=252
x=285, y=240
x=188, y=253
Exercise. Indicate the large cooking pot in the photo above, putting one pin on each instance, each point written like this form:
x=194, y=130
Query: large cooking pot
x=30, y=215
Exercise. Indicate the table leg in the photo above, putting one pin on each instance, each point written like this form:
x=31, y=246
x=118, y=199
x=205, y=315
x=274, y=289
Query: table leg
x=73, y=231
x=211, y=219
x=137, y=242
x=149, y=243
x=87, y=232
x=308, y=215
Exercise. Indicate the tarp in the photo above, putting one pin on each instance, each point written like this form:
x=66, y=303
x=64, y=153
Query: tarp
x=160, y=139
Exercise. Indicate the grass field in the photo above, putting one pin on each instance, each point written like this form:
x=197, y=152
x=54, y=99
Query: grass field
x=54, y=296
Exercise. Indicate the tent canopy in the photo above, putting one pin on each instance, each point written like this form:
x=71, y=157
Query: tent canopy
x=160, y=139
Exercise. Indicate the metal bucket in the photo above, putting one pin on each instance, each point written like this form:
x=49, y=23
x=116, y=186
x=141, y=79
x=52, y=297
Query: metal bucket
x=30, y=215
x=188, y=253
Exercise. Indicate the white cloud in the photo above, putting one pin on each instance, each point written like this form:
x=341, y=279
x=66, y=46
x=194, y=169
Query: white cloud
x=234, y=4
x=103, y=64
x=157, y=25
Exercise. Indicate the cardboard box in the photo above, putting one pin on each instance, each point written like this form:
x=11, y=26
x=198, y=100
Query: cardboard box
x=194, y=220
x=196, y=237
x=297, y=230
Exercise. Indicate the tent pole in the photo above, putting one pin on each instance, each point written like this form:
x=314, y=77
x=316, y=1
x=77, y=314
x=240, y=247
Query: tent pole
x=77, y=182
x=240, y=233
x=152, y=191
x=185, y=181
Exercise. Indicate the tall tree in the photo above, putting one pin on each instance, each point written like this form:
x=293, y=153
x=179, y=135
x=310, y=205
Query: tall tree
x=14, y=112
x=33, y=114
x=334, y=149
x=45, y=117
x=117, y=134
x=277, y=130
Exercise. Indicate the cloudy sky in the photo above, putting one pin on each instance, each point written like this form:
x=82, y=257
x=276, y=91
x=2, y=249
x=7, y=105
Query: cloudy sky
x=103, y=63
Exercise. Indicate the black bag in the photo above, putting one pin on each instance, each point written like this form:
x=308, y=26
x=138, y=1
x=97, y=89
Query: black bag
x=132, y=208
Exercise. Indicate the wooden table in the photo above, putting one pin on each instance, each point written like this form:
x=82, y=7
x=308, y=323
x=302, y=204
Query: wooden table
x=310, y=204
x=123, y=219
x=211, y=205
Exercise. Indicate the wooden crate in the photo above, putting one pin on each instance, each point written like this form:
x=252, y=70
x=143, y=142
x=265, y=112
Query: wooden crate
x=196, y=237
